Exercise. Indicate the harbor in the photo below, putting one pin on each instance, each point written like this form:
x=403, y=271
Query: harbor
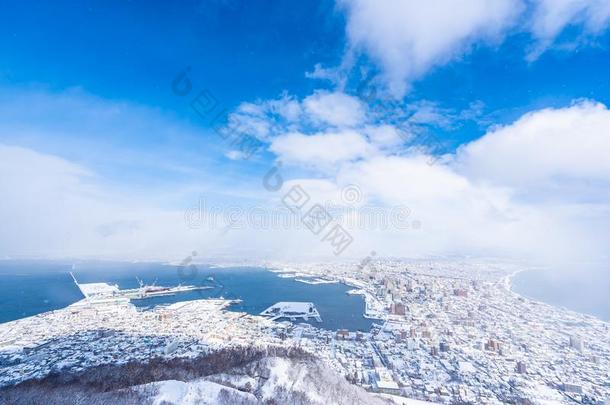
x=104, y=291
x=36, y=291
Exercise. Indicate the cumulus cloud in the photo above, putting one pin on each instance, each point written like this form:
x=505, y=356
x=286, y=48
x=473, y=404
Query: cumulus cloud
x=406, y=39
x=265, y=119
x=320, y=149
x=544, y=146
x=385, y=136
x=333, y=75
x=387, y=125
x=551, y=17
x=532, y=189
x=334, y=109
x=535, y=188
x=457, y=215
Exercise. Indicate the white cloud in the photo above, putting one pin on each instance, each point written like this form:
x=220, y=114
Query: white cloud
x=545, y=146
x=109, y=135
x=334, y=109
x=385, y=136
x=532, y=189
x=320, y=149
x=288, y=108
x=426, y=112
x=87, y=177
x=51, y=207
x=407, y=38
x=401, y=179
x=235, y=155
x=551, y=17
x=251, y=119
x=54, y=208
x=457, y=216
x=266, y=119
x=384, y=125
x=333, y=75
x=535, y=187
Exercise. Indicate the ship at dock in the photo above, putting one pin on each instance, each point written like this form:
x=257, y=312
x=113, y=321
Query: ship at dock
x=104, y=292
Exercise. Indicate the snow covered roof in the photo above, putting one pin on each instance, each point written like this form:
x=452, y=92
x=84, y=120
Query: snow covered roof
x=98, y=289
x=466, y=367
x=290, y=307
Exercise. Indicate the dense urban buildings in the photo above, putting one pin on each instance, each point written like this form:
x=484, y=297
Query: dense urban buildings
x=445, y=331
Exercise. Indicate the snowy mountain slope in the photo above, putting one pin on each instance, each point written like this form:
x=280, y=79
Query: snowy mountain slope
x=272, y=380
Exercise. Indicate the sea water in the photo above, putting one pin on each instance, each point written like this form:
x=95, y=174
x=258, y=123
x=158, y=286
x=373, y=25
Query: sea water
x=31, y=287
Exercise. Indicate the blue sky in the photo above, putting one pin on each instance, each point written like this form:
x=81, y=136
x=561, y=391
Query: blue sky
x=89, y=84
x=132, y=50
x=244, y=51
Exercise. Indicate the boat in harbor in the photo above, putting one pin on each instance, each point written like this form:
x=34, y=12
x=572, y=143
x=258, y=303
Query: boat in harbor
x=104, y=291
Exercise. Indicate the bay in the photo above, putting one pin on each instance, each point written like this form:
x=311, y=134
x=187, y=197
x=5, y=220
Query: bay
x=31, y=287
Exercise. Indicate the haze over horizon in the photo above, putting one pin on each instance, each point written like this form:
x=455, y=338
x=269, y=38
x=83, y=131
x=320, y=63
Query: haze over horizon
x=488, y=137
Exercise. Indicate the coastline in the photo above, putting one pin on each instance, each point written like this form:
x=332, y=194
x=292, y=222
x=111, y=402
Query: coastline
x=507, y=283
x=338, y=310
